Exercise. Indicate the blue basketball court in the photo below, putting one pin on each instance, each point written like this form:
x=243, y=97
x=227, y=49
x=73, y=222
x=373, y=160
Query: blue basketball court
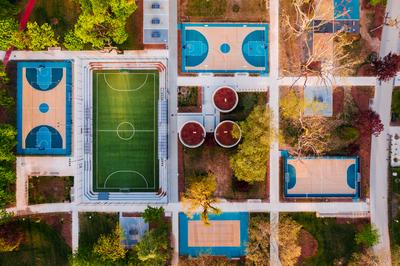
x=44, y=94
x=224, y=47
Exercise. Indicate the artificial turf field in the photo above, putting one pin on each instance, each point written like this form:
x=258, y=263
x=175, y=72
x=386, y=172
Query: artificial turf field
x=125, y=130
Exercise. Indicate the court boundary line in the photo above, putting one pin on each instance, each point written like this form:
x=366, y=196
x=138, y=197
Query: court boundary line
x=154, y=130
x=127, y=171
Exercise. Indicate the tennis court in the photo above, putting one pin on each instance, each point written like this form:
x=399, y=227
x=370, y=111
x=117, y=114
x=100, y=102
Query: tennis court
x=226, y=235
x=322, y=177
x=125, y=130
x=224, y=47
x=44, y=93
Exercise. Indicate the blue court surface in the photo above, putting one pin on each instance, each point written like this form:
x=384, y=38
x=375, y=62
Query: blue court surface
x=224, y=47
x=44, y=93
x=321, y=176
x=228, y=231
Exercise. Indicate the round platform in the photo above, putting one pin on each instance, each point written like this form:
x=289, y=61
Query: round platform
x=192, y=134
x=225, y=99
x=223, y=134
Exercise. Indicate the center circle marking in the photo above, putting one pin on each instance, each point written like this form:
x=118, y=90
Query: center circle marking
x=130, y=129
x=43, y=107
x=225, y=48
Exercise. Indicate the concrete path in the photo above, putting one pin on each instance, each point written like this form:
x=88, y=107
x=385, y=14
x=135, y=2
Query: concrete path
x=379, y=154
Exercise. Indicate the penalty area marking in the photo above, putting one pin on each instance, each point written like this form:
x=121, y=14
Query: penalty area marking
x=126, y=171
x=126, y=90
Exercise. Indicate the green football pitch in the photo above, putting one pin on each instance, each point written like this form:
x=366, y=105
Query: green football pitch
x=125, y=131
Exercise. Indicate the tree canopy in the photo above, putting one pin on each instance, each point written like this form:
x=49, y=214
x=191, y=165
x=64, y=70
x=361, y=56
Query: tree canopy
x=249, y=163
x=109, y=247
x=387, y=67
x=289, y=248
x=200, y=193
x=8, y=28
x=36, y=37
x=102, y=23
x=153, y=248
x=259, y=242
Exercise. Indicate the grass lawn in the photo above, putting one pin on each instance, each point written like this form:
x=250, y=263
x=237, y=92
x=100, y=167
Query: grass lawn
x=50, y=189
x=41, y=245
x=92, y=226
x=335, y=241
x=395, y=109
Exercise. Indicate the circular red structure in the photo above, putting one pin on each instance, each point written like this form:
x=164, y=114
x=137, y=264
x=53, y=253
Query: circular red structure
x=225, y=99
x=192, y=134
x=223, y=134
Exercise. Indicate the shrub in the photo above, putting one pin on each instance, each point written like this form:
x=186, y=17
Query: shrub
x=367, y=236
x=72, y=42
x=153, y=215
x=347, y=133
x=235, y=8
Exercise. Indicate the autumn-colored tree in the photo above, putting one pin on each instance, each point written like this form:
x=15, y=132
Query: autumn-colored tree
x=109, y=247
x=259, y=242
x=387, y=67
x=200, y=193
x=289, y=248
x=364, y=258
x=249, y=163
x=369, y=123
x=72, y=42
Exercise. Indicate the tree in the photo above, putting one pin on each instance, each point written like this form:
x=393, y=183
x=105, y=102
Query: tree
x=109, y=247
x=200, y=193
x=369, y=123
x=368, y=236
x=152, y=249
x=308, y=135
x=8, y=27
x=154, y=215
x=396, y=255
x=289, y=248
x=102, y=23
x=387, y=67
x=249, y=163
x=72, y=42
x=364, y=258
x=35, y=37
x=259, y=242
x=324, y=57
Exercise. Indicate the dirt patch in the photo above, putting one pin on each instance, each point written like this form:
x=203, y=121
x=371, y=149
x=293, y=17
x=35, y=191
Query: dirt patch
x=49, y=189
x=190, y=99
x=309, y=246
x=223, y=11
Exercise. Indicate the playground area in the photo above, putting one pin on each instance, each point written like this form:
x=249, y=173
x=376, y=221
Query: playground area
x=44, y=92
x=125, y=130
x=225, y=47
x=322, y=177
x=226, y=235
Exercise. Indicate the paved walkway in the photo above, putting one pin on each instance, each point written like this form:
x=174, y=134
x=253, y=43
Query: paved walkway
x=379, y=154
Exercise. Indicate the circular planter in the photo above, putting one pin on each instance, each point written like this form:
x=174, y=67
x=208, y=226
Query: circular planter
x=225, y=99
x=223, y=134
x=192, y=134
